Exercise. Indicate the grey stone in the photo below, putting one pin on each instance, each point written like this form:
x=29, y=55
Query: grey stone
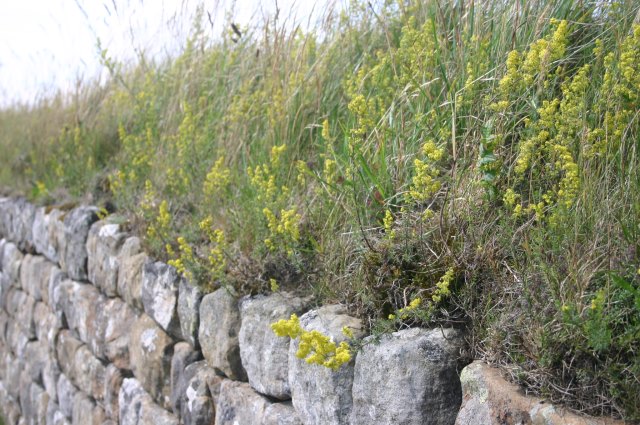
x=183, y=356
x=321, y=395
x=81, y=309
x=33, y=403
x=36, y=358
x=35, y=270
x=24, y=315
x=12, y=375
x=408, y=377
x=197, y=406
x=17, y=217
x=46, y=325
x=189, y=298
x=103, y=244
x=44, y=231
x=54, y=415
x=112, y=383
x=130, y=273
x=160, y=296
x=281, y=414
x=264, y=356
x=218, y=333
x=117, y=318
x=57, y=291
x=86, y=411
x=151, y=350
x=73, y=250
x=66, y=394
x=137, y=407
x=17, y=338
x=489, y=399
x=88, y=373
x=66, y=347
x=50, y=376
x=5, y=286
x=239, y=404
x=11, y=261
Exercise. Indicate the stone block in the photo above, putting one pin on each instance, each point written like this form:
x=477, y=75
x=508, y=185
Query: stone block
x=160, y=296
x=239, y=404
x=86, y=411
x=408, y=377
x=265, y=357
x=33, y=272
x=116, y=320
x=282, y=414
x=16, y=216
x=17, y=338
x=45, y=233
x=66, y=394
x=131, y=264
x=151, y=350
x=66, y=347
x=137, y=407
x=183, y=356
x=88, y=373
x=103, y=245
x=189, y=298
x=197, y=406
x=321, y=395
x=218, y=333
x=112, y=383
x=73, y=250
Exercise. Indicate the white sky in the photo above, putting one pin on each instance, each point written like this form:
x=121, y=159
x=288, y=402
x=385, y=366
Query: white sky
x=46, y=45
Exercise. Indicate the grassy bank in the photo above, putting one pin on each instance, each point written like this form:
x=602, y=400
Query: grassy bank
x=424, y=163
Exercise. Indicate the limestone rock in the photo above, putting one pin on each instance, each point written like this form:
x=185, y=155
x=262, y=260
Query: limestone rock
x=197, y=406
x=264, y=356
x=73, y=250
x=35, y=270
x=189, y=298
x=11, y=261
x=321, y=395
x=46, y=325
x=117, y=319
x=12, y=374
x=36, y=358
x=103, y=245
x=66, y=394
x=239, y=404
x=151, y=350
x=137, y=407
x=281, y=414
x=66, y=347
x=16, y=216
x=487, y=398
x=183, y=356
x=160, y=296
x=88, y=373
x=81, y=307
x=33, y=403
x=17, y=338
x=408, y=377
x=56, y=294
x=218, y=333
x=112, y=382
x=44, y=231
x=131, y=262
x=86, y=411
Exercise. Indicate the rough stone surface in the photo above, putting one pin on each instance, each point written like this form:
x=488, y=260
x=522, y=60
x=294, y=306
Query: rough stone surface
x=46, y=325
x=264, y=356
x=66, y=394
x=80, y=304
x=112, y=382
x=408, y=377
x=239, y=404
x=86, y=411
x=73, y=250
x=137, y=407
x=218, y=333
x=183, y=356
x=36, y=358
x=66, y=347
x=45, y=238
x=487, y=398
x=160, y=296
x=281, y=414
x=11, y=261
x=34, y=271
x=88, y=373
x=196, y=405
x=16, y=218
x=57, y=293
x=321, y=395
x=117, y=319
x=151, y=350
x=103, y=245
x=130, y=273
x=189, y=298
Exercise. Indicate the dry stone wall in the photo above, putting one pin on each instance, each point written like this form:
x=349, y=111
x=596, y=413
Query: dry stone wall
x=94, y=332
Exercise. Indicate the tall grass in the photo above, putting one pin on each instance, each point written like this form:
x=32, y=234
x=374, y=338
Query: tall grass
x=423, y=162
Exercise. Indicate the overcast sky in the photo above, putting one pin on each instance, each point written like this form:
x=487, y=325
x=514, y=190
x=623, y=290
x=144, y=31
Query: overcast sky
x=50, y=44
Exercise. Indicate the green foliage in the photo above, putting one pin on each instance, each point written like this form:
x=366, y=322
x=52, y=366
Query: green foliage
x=425, y=163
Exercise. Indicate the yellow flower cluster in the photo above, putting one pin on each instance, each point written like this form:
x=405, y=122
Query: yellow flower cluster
x=425, y=181
x=217, y=179
x=405, y=312
x=442, y=287
x=315, y=347
x=284, y=231
x=159, y=228
x=185, y=258
x=387, y=222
